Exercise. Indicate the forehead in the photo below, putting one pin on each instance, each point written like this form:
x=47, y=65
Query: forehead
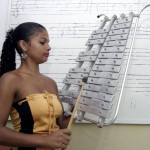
x=39, y=34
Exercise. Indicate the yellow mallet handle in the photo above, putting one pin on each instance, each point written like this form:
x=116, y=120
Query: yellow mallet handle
x=84, y=80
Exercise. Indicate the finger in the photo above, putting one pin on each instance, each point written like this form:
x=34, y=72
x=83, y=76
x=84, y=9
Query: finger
x=64, y=138
x=68, y=138
x=63, y=146
x=65, y=141
x=66, y=131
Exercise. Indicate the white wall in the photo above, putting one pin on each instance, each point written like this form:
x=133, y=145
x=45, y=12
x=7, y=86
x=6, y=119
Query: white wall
x=70, y=23
x=4, y=5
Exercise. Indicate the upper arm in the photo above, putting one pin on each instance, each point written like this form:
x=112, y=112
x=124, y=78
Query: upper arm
x=57, y=93
x=7, y=93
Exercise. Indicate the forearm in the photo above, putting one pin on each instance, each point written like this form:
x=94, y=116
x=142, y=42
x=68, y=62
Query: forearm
x=9, y=137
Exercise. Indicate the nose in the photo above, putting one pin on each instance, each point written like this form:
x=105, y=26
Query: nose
x=48, y=48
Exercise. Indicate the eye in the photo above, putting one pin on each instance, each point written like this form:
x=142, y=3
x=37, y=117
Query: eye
x=42, y=42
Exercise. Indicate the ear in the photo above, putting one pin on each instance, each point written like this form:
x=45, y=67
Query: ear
x=23, y=45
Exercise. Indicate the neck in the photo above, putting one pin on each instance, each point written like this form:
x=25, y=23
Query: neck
x=30, y=68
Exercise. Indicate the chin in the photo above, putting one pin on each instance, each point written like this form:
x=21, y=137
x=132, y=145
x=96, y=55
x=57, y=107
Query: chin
x=43, y=61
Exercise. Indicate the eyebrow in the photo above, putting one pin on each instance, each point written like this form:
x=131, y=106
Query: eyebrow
x=44, y=39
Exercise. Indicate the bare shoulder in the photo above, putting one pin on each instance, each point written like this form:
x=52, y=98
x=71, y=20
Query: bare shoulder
x=8, y=86
x=8, y=77
x=49, y=80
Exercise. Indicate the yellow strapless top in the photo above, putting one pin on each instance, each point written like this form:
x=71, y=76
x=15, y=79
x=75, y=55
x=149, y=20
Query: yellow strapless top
x=37, y=113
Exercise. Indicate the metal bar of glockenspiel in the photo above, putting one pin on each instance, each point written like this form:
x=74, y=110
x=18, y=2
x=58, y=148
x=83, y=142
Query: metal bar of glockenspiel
x=124, y=79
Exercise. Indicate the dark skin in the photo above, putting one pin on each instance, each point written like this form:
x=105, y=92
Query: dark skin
x=28, y=80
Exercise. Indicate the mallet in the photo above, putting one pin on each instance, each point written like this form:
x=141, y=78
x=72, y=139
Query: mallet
x=84, y=80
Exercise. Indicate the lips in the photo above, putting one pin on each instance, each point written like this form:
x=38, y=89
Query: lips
x=46, y=54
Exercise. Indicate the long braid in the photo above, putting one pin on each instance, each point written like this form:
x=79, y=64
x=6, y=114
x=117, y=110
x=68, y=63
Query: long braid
x=7, y=62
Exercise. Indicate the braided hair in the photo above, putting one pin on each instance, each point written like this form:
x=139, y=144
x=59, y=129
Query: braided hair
x=24, y=32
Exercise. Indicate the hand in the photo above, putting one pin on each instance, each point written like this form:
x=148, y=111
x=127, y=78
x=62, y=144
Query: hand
x=58, y=139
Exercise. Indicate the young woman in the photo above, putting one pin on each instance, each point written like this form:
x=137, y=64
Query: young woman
x=29, y=97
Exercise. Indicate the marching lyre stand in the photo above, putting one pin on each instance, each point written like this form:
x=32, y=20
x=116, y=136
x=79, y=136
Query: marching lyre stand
x=84, y=80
